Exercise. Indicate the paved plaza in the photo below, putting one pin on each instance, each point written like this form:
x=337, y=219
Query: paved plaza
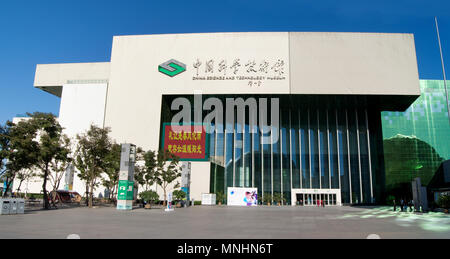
x=222, y=222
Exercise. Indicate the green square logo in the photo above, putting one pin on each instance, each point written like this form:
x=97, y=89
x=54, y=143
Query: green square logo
x=172, y=68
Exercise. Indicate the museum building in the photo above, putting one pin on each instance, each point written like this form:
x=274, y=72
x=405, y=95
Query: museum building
x=321, y=94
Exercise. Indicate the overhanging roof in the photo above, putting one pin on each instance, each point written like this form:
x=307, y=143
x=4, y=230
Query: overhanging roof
x=51, y=77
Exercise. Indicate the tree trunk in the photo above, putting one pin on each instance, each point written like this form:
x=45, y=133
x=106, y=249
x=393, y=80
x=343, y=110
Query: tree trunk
x=54, y=195
x=44, y=189
x=20, y=184
x=87, y=194
x=8, y=186
x=91, y=194
x=111, y=192
x=165, y=197
x=113, y=195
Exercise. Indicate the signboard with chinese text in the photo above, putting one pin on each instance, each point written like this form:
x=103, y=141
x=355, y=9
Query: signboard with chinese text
x=125, y=191
x=188, y=142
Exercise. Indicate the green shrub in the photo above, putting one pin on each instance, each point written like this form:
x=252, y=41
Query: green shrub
x=149, y=196
x=444, y=201
x=278, y=198
x=197, y=202
x=220, y=197
x=32, y=195
x=267, y=198
x=179, y=195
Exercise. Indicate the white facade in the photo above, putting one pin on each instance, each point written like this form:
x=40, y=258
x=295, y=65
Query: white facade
x=81, y=105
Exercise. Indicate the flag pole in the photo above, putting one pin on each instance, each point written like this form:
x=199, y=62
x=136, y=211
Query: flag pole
x=443, y=68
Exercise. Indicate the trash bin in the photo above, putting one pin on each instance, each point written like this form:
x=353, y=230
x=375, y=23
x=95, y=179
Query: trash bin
x=13, y=206
x=20, y=206
x=5, y=206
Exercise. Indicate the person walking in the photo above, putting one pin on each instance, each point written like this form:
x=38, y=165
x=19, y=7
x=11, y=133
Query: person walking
x=402, y=203
x=395, y=206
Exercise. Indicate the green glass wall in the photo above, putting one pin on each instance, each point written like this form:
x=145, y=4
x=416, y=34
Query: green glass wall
x=417, y=140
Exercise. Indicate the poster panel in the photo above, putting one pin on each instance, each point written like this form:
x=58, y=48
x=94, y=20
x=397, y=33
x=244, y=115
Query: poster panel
x=239, y=196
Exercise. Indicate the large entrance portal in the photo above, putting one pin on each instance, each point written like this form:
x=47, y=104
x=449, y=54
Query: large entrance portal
x=315, y=197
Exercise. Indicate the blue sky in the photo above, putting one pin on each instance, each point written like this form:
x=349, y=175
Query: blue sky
x=63, y=31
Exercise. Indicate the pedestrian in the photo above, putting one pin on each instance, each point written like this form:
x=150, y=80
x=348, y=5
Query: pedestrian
x=402, y=203
x=395, y=206
x=323, y=204
x=411, y=202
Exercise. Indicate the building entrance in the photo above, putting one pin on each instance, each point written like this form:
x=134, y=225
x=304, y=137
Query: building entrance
x=316, y=197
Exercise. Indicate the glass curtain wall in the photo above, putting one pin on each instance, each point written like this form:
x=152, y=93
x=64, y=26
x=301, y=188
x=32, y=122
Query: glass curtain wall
x=317, y=148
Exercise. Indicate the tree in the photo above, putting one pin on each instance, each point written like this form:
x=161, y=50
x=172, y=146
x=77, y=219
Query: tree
x=59, y=167
x=112, y=170
x=19, y=150
x=24, y=175
x=4, y=146
x=146, y=174
x=167, y=170
x=49, y=144
x=92, y=150
x=4, y=150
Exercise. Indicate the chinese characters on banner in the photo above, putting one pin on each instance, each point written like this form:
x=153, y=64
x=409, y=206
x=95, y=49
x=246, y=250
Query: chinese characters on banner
x=188, y=144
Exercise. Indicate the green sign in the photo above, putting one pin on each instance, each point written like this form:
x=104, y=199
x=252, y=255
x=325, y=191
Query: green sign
x=126, y=190
x=172, y=67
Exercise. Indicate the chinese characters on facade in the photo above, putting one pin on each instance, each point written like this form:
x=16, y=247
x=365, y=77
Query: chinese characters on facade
x=186, y=143
x=185, y=148
x=255, y=71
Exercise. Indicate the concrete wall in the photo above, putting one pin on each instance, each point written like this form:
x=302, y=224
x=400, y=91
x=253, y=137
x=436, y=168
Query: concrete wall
x=51, y=77
x=82, y=105
x=353, y=63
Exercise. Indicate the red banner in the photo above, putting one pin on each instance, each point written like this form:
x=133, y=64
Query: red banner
x=186, y=142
